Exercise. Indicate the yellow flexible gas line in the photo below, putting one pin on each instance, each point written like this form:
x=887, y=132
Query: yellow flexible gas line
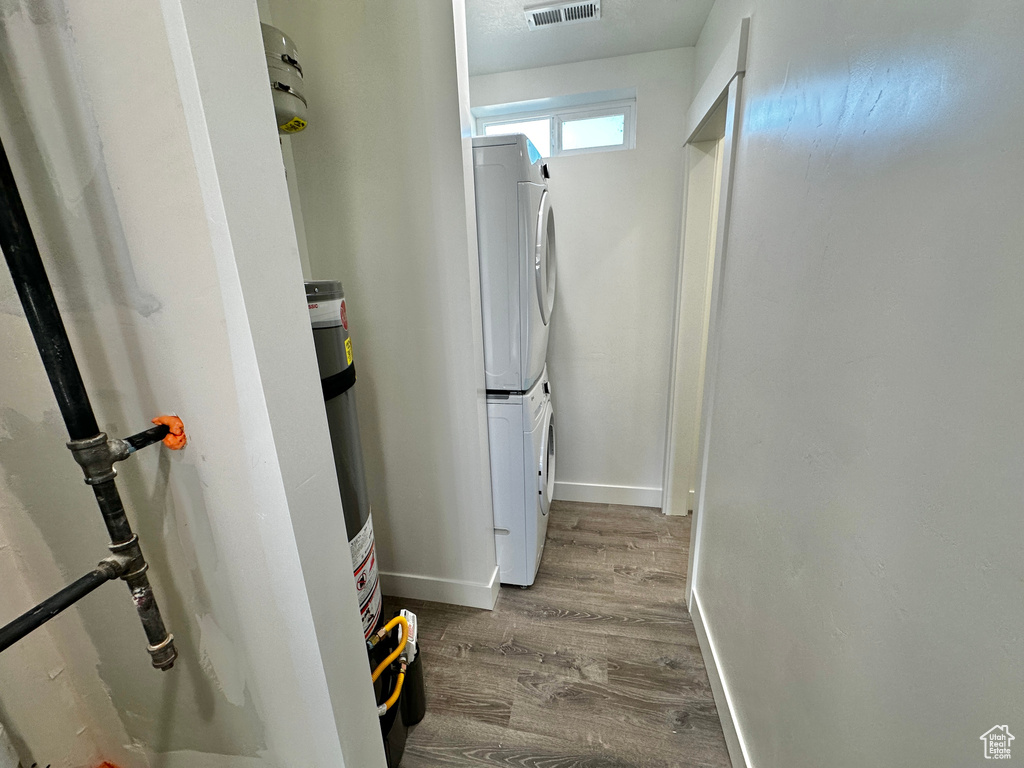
x=397, y=652
x=398, y=690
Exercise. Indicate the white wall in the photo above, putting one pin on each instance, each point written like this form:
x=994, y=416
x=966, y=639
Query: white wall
x=381, y=175
x=618, y=220
x=860, y=568
x=157, y=195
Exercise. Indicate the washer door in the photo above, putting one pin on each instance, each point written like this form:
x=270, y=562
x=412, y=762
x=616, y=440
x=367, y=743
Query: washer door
x=544, y=258
x=546, y=473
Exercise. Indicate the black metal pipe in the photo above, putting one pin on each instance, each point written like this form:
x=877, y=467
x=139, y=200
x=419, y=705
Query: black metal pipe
x=112, y=509
x=161, y=645
x=29, y=274
x=44, y=318
x=46, y=610
x=148, y=437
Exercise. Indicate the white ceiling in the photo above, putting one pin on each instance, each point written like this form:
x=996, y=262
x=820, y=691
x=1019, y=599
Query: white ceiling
x=499, y=39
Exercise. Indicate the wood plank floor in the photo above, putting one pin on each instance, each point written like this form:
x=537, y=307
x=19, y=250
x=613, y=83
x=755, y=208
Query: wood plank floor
x=594, y=666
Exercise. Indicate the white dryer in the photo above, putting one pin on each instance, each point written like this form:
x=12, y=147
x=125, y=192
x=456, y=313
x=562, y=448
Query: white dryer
x=522, y=442
x=516, y=238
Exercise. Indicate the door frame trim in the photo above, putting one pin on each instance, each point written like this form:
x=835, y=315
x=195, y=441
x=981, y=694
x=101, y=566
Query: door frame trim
x=711, y=360
x=723, y=85
x=732, y=62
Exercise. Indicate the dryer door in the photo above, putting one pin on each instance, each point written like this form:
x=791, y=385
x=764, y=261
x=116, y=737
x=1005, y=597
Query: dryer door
x=544, y=258
x=546, y=473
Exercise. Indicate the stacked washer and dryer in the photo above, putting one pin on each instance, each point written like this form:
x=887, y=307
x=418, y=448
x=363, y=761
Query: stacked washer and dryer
x=516, y=238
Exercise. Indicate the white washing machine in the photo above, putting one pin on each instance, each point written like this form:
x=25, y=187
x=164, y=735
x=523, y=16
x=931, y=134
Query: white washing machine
x=516, y=238
x=522, y=442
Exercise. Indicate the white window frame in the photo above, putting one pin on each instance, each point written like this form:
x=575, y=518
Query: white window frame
x=558, y=116
x=625, y=108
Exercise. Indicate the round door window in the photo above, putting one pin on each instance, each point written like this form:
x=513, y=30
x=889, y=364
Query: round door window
x=544, y=258
x=547, y=469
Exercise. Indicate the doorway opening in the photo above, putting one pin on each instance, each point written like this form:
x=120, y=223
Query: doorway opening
x=703, y=181
x=709, y=153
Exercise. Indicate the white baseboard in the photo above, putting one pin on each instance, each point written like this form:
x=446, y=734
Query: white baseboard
x=738, y=754
x=631, y=495
x=452, y=591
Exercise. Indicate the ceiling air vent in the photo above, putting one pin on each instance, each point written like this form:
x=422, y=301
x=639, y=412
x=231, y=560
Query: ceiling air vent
x=548, y=15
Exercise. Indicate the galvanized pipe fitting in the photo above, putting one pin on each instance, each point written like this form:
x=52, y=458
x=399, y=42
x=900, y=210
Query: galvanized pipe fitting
x=97, y=455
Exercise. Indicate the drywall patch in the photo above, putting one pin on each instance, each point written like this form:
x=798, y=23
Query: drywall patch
x=220, y=660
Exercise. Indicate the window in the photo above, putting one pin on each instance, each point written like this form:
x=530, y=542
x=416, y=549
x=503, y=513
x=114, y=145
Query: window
x=593, y=132
x=566, y=126
x=538, y=131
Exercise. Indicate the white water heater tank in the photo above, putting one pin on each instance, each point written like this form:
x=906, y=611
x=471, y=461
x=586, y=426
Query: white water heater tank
x=285, y=80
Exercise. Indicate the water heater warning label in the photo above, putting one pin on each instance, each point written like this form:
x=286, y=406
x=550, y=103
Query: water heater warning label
x=294, y=125
x=364, y=567
x=326, y=313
